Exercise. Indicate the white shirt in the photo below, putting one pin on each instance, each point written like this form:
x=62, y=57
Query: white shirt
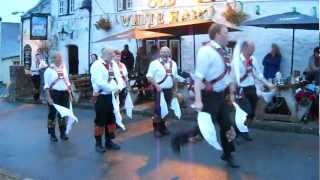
x=210, y=65
x=51, y=75
x=100, y=77
x=123, y=70
x=252, y=76
x=157, y=72
x=35, y=68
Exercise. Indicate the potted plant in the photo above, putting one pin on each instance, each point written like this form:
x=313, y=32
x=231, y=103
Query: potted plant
x=104, y=24
x=234, y=16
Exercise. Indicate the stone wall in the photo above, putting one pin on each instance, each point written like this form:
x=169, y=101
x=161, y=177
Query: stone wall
x=21, y=84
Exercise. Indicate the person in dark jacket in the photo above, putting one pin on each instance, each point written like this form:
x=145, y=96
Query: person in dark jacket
x=271, y=62
x=127, y=58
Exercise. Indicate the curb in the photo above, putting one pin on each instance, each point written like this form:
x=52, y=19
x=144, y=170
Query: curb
x=279, y=126
x=4, y=175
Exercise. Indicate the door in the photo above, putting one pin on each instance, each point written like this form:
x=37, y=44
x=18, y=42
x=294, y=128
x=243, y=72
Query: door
x=73, y=55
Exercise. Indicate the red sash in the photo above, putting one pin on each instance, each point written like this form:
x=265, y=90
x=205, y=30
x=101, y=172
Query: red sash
x=121, y=72
x=249, y=67
x=227, y=68
x=109, y=68
x=168, y=72
x=60, y=73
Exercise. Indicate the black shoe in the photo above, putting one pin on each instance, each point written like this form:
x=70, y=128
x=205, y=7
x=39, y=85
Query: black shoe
x=112, y=146
x=246, y=136
x=100, y=149
x=64, y=137
x=163, y=129
x=53, y=138
x=230, y=161
x=175, y=146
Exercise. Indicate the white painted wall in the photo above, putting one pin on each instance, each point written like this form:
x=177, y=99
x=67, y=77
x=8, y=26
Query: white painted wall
x=76, y=23
x=305, y=40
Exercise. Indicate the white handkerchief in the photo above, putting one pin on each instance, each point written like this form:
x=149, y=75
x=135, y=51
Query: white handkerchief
x=235, y=63
x=240, y=118
x=267, y=96
x=128, y=105
x=176, y=107
x=65, y=112
x=208, y=130
x=116, y=111
x=163, y=106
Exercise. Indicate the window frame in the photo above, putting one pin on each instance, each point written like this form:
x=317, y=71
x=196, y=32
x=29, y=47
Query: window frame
x=123, y=5
x=65, y=7
x=61, y=7
x=71, y=6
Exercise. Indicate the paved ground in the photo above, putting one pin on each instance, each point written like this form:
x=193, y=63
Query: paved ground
x=26, y=151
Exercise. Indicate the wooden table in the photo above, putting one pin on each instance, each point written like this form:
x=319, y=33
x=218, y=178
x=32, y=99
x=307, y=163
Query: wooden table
x=287, y=91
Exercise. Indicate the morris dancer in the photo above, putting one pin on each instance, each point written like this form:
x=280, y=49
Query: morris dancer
x=37, y=67
x=250, y=74
x=214, y=91
x=104, y=83
x=162, y=73
x=58, y=89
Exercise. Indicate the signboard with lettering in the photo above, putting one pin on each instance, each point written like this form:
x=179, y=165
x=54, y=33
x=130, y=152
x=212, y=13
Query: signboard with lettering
x=169, y=15
x=39, y=27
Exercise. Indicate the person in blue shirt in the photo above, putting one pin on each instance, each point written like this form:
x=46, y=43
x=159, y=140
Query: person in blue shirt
x=271, y=62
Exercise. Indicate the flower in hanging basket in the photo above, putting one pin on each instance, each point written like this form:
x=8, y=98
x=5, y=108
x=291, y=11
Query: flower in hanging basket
x=234, y=16
x=104, y=24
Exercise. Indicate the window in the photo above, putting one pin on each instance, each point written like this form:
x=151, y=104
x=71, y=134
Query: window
x=124, y=5
x=62, y=7
x=71, y=6
x=66, y=7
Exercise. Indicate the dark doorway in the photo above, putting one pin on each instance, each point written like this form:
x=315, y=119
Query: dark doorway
x=73, y=55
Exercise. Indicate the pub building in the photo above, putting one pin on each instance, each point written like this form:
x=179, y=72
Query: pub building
x=73, y=28
x=186, y=20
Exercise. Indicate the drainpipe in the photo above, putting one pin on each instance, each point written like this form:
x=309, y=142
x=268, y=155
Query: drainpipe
x=87, y=4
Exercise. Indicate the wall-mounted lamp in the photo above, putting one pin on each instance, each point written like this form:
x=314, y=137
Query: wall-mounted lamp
x=294, y=9
x=63, y=34
x=258, y=10
x=314, y=10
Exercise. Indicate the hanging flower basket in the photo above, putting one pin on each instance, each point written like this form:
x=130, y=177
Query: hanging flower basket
x=234, y=16
x=104, y=24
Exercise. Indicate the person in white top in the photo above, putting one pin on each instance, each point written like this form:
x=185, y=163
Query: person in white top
x=214, y=87
x=162, y=73
x=37, y=65
x=124, y=76
x=105, y=80
x=250, y=74
x=58, y=89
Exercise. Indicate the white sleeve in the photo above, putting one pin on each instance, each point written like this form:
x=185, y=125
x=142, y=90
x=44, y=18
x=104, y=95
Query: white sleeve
x=46, y=77
x=175, y=73
x=202, y=63
x=125, y=72
x=257, y=70
x=98, y=83
x=117, y=75
x=151, y=70
x=66, y=76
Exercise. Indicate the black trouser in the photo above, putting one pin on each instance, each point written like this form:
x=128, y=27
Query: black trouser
x=215, y=104
x=249, y=101
x=61, y=98
x=122, y=97
x=105, y=118
x=36, y=84
x=158, y=122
